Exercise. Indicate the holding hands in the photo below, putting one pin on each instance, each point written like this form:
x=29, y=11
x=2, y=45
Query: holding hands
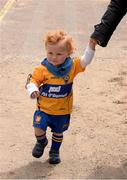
x=92, y=43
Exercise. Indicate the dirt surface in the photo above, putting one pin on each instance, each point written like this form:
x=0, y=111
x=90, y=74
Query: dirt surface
x=95, y=147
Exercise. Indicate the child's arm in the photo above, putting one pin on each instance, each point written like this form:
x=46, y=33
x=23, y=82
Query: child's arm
x=33, y=83
x=33, y=90
x=89, y=53
x=92, y=43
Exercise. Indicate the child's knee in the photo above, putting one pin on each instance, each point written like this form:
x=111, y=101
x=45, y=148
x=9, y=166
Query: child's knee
x=39, y=132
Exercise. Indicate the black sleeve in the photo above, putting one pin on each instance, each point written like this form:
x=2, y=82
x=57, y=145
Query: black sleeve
x=109, y=21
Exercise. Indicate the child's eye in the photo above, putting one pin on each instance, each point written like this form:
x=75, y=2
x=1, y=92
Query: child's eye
x=59, y=54
x=50, y=53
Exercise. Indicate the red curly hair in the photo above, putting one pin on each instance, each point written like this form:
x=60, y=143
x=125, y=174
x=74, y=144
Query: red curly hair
x=55, y=36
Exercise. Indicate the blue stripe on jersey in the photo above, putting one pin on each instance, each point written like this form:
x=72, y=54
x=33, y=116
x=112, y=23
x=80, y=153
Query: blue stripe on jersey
x=55, y=90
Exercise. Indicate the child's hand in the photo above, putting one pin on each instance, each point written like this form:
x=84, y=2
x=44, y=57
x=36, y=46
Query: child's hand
x=92, y=43
x=35, y=94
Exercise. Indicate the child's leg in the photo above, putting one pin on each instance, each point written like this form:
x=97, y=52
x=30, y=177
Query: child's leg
x=42, y=141
x=57, y=139
x=60, y=124
x=40, y=135
x=54, y=157
x=40, y=126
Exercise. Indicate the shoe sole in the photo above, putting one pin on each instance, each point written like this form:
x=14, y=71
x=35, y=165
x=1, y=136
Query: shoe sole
x=54, y=162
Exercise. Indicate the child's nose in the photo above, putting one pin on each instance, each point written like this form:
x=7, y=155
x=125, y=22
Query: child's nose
x=54, y=56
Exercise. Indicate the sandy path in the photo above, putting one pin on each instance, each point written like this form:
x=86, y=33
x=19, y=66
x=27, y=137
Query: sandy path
x=96, y=144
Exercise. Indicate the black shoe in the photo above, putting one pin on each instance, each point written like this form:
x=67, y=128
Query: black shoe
x=38, y=149
x=54, y=157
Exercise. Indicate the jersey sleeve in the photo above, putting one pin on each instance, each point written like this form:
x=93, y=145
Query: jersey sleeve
x=77, y=67
x=37, y=76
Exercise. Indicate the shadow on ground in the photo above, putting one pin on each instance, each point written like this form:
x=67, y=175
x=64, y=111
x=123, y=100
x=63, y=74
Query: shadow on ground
x=39, y=170
x=33, y=170
x=109, y=172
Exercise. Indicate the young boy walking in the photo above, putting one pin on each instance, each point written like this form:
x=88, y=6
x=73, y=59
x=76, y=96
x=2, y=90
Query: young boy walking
x=51, y=83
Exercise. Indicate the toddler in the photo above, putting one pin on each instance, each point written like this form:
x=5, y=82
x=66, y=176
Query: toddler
x=51, y=84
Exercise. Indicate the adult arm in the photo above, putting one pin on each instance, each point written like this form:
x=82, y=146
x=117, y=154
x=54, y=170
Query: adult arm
x=109, y=21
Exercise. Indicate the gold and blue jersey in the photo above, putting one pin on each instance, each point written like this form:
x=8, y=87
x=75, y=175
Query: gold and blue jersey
x=56, y=94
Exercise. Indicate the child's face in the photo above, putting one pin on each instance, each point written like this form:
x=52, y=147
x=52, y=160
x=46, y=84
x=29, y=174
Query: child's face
x=56, y=53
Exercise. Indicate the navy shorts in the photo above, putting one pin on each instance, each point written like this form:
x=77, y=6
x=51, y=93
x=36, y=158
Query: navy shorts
x=57, y=123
